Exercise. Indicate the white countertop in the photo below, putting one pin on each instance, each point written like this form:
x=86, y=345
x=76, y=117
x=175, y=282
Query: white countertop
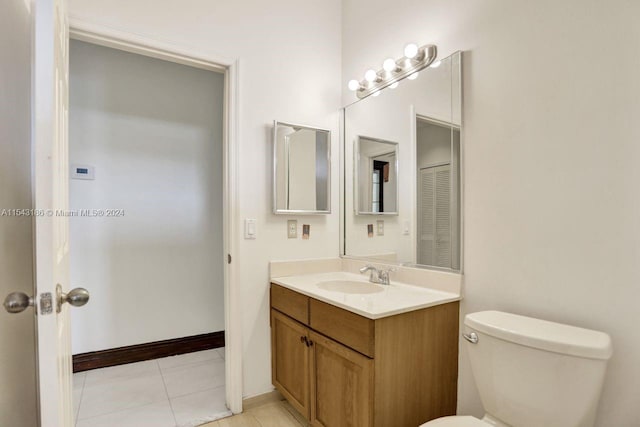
x=393, y=299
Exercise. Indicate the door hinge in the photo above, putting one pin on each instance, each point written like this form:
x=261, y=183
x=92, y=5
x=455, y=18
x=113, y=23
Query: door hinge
x=228, y=258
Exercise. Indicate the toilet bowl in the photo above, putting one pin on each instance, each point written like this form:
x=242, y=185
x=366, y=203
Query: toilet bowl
x=532, y=373
x=460, y=421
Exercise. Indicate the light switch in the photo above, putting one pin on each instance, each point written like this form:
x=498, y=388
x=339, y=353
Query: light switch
x=292, y=229
x=405, y=228
x=250, y=231
x=380, y=224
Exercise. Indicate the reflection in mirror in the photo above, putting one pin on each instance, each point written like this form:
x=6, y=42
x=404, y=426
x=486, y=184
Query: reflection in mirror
x=423, y=119
x=438, y=225
x=376, y=183
x=301, y=175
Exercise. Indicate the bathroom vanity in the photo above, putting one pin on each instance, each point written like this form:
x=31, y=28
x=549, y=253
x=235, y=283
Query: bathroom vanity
x=346, y=352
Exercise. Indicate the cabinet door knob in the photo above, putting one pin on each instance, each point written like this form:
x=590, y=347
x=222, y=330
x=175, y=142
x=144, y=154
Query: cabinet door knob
x=309, y=343
x=303, y=339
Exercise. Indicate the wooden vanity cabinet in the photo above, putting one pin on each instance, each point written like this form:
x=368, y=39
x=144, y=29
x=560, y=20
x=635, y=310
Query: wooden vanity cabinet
x=341, y=385
x=339, y=369
x=290, y=360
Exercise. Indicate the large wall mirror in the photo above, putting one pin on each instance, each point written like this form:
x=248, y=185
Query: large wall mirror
x=301, y=169
x=402, y=157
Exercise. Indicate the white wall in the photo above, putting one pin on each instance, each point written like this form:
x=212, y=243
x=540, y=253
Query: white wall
x=18, y=396
x=290, y=71
x=153, y=131
x=551, y=160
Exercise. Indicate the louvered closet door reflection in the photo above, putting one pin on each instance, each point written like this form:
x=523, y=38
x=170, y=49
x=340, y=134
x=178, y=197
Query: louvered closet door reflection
x=434, y=204
x=443, y=216
x=426, y=223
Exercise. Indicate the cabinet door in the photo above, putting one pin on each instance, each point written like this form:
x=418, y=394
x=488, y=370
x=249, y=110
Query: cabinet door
x=290, y=360
x=341, y=385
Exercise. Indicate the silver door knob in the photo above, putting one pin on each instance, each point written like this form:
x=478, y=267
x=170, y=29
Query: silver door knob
x=76, y=297
x=17, y=302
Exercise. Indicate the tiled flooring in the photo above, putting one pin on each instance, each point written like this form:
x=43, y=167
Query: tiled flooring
x=185, y=390
x=274, y=414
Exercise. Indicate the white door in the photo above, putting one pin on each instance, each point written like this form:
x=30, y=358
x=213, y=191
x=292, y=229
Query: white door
x=18, y=389
x=434, y=213
x=50, y=173
x=442, y=256
x=49, y=182
x=426, y=223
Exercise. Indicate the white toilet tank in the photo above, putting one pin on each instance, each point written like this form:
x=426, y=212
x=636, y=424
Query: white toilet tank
x=534, y=373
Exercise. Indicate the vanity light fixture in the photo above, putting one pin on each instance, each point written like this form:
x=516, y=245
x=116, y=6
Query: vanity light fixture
x=415, y=59
x=389, y=65
x=354, y=85
x=371, y=76
x=411, y=50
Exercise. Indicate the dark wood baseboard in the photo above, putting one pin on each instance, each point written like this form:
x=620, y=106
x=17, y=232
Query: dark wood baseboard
x=148, y=351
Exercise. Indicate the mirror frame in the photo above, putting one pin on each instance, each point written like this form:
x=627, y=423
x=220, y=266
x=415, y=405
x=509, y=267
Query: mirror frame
x=356, y=174
x=277, y=211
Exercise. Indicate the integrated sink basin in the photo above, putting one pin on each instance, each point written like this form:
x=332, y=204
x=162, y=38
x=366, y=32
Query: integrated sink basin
x=350, y=287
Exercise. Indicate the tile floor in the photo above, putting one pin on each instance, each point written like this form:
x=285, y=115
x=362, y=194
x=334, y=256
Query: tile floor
x=185, y=390
x=274, y=414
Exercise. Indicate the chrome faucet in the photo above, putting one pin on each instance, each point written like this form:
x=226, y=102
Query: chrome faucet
x=377, y=276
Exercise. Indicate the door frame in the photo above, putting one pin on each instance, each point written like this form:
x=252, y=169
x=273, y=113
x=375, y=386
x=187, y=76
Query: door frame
x=135, y=43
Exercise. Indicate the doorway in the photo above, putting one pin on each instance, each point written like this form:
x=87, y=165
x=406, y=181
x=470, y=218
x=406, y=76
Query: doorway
x=146, y=237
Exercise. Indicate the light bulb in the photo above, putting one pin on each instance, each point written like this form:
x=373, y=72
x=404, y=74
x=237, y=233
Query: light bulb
x=411, y=50
x=370, y=76
x=393, y=85
x=389, y=65
x=376, y=93
x=353, y=85
x=435, y=64
x=413, y=76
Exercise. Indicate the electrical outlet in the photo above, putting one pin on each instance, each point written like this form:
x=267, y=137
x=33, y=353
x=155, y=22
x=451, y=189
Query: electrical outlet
x=292, y=229
x=380, y=224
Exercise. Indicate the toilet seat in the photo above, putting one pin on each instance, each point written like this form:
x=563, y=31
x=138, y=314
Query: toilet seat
x=456, y=421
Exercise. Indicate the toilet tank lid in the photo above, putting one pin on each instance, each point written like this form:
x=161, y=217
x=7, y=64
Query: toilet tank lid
x=542, y=334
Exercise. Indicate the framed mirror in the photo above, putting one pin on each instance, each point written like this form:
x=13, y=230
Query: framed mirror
x=301, y=169
x=376, y=176
x=418, y=125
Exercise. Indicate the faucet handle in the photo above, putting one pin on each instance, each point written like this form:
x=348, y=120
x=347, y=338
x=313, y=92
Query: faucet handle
x=388, y=270
x=383, y=275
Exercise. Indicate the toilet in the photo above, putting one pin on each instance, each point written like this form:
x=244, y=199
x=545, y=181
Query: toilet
x=531, y=372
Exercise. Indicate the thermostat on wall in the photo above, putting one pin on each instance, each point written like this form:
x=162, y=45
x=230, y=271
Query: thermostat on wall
x=82, y=172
